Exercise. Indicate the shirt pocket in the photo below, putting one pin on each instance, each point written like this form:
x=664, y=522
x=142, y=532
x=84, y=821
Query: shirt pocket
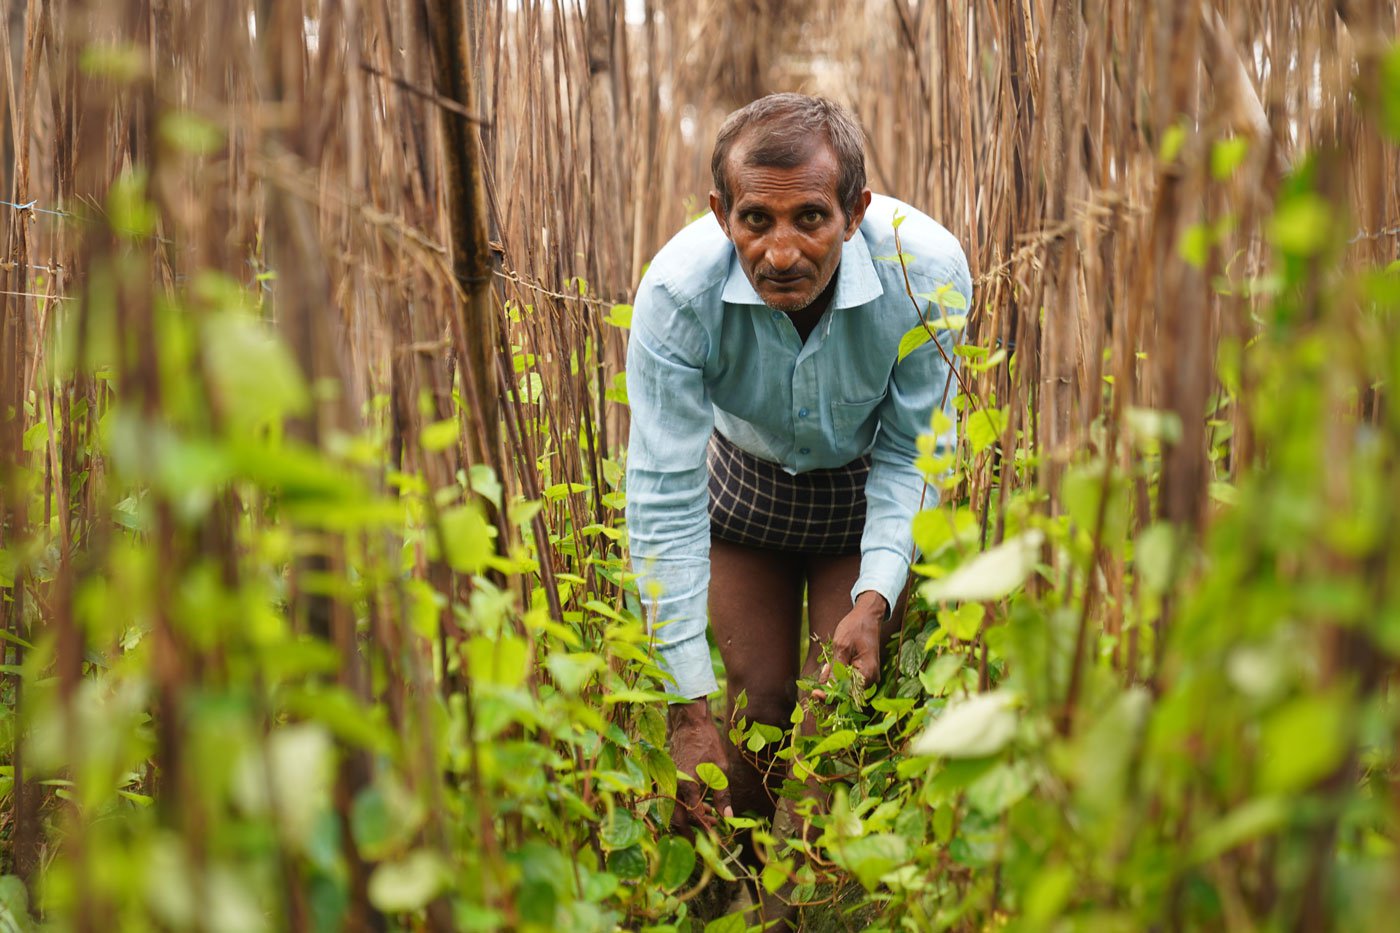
x=849, y=418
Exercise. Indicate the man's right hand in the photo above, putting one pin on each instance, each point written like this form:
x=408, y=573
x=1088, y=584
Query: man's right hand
x=694, y=740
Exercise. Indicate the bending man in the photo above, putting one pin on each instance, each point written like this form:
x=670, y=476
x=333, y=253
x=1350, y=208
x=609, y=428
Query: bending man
x=773, y=427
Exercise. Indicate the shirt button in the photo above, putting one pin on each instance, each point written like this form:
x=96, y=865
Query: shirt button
x=805, y=450
x=777, y=314
x=801, y=412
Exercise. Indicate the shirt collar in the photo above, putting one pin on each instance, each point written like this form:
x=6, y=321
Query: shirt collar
x=856, y=279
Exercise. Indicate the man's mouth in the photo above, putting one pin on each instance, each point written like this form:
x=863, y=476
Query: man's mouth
x=783, y=279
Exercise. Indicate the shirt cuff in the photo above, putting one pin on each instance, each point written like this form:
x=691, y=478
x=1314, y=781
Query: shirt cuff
x=885, y=572
x=688, y=663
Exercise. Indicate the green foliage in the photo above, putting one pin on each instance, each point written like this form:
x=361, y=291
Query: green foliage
x=510, y=764
x=1227, y=155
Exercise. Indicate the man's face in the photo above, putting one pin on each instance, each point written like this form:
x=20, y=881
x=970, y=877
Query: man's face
x=787, y=226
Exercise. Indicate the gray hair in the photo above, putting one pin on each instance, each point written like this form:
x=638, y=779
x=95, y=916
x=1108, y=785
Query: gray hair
x=784, y=131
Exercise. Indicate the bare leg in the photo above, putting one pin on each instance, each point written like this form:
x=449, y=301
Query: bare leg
x=756, y=611
x=829, y=582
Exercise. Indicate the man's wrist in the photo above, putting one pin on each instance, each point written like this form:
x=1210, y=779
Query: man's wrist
x=693, y=711
x=873, y=604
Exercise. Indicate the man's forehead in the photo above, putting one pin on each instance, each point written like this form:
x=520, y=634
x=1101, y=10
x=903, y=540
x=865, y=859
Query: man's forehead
x=816, y=171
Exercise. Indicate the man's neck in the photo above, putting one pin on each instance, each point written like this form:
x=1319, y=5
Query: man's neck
x=806, y=319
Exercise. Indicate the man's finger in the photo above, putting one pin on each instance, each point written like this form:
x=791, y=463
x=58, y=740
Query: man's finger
x=722, y=803
x=690, y=800
x=826, y=672
x=867, y=668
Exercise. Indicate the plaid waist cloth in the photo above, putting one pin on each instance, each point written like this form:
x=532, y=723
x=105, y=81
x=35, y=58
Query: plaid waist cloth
x=756, y=503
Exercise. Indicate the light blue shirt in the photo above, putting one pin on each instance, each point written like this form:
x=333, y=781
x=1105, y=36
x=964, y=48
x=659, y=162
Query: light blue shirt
x=706, y=353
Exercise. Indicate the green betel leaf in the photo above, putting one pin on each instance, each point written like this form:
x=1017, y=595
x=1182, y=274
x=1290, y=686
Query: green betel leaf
x=189, y=132
x=729, y=923
x=620, y=316
x=621, y=830
x=1250, y=820
x=835, y=742
x=912, y=340
x=1227, y=155
x=14, y=905
x=1155, y=556
x=629, y=864
x=572, y=671
x=677, y=862
x=371, y=823
x=972, y=728
x=1151, y=424
x=598, y=885
x=984, y=426
x=711, y=775
x=439, y=435
x=999, y=788
x=501, y=660
x=946, y=297
x=871, y=857
x=1303, y=742
x=1302, y=225
x=992, y=574
x=399, y=887
x=963, y=622
x=1082, y=492
x=300, y=761
x=36, y=437
x=129, y=211
x=469, y=538
x=936, y=529
x=1172, y=141
x=384, y=816
x=1194, y=245
x=252, y=371
x=938, y=675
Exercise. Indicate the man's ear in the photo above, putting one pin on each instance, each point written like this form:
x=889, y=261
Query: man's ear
x=862, y=202
x=718, y=211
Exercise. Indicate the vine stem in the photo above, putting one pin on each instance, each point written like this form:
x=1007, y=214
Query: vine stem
x=923, y=319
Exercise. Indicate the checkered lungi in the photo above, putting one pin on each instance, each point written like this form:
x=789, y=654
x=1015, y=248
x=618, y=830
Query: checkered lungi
x=755, y=503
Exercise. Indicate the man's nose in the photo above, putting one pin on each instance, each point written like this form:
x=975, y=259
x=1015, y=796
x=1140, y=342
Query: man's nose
x=782, y=253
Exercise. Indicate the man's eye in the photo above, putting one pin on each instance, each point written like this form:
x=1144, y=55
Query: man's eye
x=813, y=217
x=752, y=218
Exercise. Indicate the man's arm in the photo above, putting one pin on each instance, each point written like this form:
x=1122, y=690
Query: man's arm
x=895, y=490
x=669, y=525
x=919, y=384
x=667, y=500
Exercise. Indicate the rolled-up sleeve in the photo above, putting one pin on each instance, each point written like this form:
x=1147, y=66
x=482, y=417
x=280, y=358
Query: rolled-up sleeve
x=667, y=494
x=895, y=489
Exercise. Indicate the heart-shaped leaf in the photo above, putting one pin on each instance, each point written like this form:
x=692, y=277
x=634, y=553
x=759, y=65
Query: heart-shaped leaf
x=990, y=575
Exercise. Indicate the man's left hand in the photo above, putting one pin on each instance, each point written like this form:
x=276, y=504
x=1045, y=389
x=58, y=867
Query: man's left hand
x=857, y=639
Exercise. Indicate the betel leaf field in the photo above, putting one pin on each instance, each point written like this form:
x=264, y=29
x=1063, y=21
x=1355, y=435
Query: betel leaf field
x=316, y=605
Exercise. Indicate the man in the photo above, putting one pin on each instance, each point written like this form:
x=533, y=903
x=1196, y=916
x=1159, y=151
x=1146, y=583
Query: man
x=773, y=427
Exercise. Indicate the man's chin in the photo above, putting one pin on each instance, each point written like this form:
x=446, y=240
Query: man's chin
x=786, y=301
